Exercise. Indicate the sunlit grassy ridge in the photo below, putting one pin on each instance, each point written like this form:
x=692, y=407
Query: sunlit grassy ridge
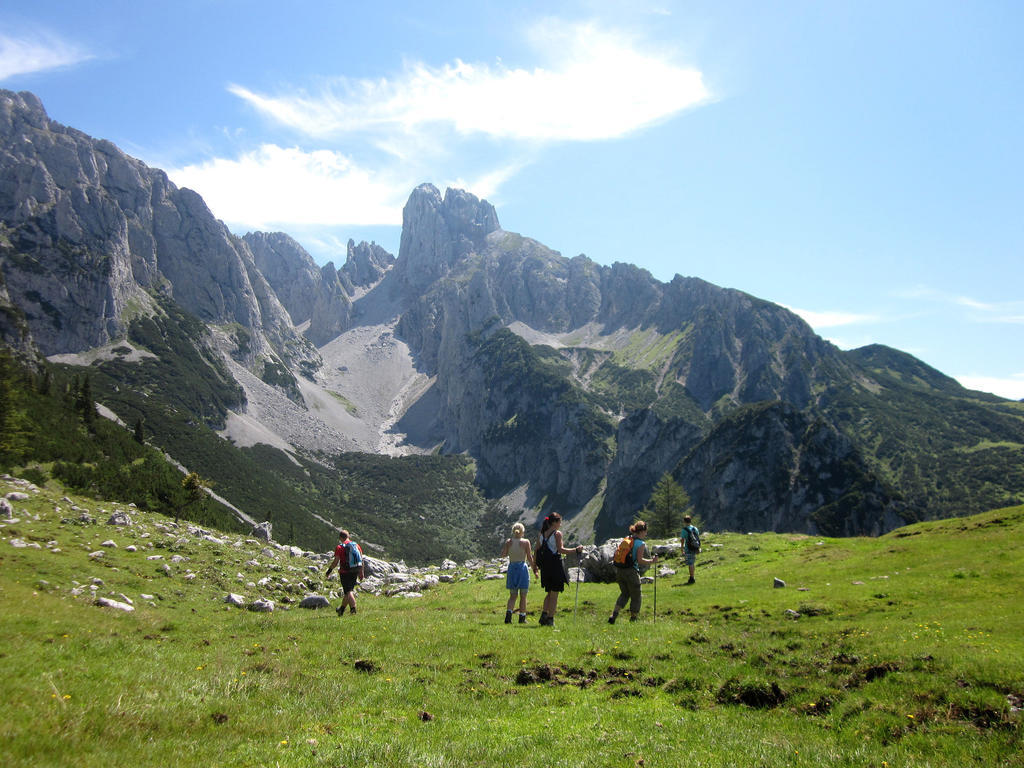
x=907, y=651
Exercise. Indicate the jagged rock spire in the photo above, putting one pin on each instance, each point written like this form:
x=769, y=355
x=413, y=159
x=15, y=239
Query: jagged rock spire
x=438, y=232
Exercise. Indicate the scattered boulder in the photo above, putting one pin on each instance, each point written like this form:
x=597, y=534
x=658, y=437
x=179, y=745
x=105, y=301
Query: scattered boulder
x=262, y=606
x=119, y=518
x=109, y=543
x=106, y=602
x=233, y=599
x=314, y=602
x=17, y=496
x=262, y=531
x=6, y=509
x=779, y=583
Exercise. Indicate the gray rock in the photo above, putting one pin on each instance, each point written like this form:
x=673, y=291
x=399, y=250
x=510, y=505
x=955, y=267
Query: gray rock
x=105, y=602
x=314, y=601
x=791, y=614
x=262, y=531
x=233, y=599
x=778, y=583
x=119, y=518
x=262, y=606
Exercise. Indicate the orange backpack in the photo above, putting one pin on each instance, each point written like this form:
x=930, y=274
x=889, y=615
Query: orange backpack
x=624, y=554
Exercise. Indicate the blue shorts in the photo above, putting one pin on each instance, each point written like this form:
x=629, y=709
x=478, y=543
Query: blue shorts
x=690, y=558
x=518, y=577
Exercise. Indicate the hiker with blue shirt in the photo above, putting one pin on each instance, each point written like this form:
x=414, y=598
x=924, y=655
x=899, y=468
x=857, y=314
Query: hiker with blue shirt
x=689, y=541
x=631, y=555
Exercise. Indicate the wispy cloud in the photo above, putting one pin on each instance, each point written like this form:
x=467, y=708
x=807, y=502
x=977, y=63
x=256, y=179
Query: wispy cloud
x=1011, y=387
x=833, y=318
x=275, y=186
x=37, y=52
x=466, y=124
x=1010, y=312
x=598, y=85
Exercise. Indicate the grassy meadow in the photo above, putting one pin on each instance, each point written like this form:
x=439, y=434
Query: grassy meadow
x=907, y=650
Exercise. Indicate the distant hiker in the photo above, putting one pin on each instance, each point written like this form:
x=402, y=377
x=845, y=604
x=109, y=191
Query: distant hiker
x=348, y=556
x=517, y=579
x=549, y=559
x=689, y=542
x=632, y=553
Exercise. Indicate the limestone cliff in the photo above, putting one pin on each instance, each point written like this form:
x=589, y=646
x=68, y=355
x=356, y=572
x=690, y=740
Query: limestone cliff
x=96, y=234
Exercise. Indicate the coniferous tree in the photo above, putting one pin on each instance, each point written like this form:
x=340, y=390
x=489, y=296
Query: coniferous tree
x=668, y=501
x=85, y=403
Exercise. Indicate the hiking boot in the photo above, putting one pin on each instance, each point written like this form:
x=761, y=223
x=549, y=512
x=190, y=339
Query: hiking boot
x=545, y=619
x=340, y=610
x=612, y=618
x=352, y=610
x=508, y=617
x=522, y=618
x=691, y=581
x=633, y=617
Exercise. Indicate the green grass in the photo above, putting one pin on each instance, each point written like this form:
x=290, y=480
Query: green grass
x=905, y=653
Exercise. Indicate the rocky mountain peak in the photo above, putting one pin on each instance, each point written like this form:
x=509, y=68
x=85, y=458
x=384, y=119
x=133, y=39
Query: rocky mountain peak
x=437, y=232
x=366, y=263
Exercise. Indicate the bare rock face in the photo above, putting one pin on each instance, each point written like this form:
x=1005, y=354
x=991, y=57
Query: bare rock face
x=320, y=295
x=91, y=234
x=289, y=269
x=437, y=232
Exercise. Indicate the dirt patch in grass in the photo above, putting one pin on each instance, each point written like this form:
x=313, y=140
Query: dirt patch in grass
x=757, y=694
x=581, y=678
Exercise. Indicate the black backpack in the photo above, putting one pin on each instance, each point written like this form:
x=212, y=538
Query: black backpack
x=692, y=539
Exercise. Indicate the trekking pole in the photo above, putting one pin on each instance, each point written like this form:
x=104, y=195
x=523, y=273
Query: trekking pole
x=655, y=592
x=578, y=574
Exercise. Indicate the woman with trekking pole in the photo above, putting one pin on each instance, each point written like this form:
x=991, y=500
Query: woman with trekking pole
x=552, y=572
x=627, y=571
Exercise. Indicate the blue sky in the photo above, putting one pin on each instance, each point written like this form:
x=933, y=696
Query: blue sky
x=859, y=162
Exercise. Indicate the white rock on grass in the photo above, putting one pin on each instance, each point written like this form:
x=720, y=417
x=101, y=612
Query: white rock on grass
x=233, y=599
x=315, y=601
x=262, y=606
x=110, y=543
x=106, y=602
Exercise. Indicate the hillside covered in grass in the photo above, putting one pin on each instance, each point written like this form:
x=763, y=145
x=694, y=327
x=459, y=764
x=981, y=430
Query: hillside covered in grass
x=903, y=650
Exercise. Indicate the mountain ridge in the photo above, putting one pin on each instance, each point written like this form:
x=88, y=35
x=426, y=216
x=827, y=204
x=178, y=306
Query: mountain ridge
x=573, y=386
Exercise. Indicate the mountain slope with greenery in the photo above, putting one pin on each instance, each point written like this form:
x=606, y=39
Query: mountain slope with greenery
x=901, y=650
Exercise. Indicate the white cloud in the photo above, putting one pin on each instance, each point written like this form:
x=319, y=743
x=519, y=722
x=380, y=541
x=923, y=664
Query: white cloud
x=599, y=85
x=833, y=319
x=37, y=52
x=275, y=186
x=467, y=125
x=967, y=301
x=1011, y=387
